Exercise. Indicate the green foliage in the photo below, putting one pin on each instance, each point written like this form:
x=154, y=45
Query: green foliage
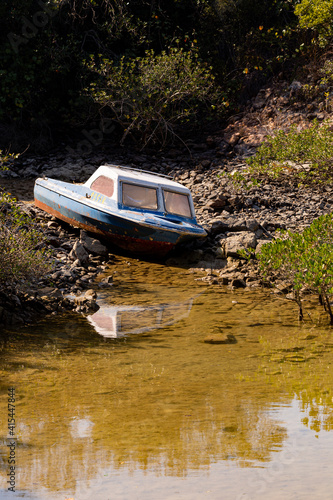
x=44, y=47
x=148, y=96
x=240, y=180
x=37, y=65
x=21, y=258
x=306, y=154
x=317, y=15
x=258, y=34
x=5, y=158
x=303, y=259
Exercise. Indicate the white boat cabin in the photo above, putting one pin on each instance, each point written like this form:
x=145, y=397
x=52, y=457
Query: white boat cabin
x=139, y=190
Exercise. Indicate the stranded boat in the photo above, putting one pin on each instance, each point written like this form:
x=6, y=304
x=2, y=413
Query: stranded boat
x=139, y=211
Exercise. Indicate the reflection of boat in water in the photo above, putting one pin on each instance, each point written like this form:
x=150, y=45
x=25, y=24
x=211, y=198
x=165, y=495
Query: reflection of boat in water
x=119, y=321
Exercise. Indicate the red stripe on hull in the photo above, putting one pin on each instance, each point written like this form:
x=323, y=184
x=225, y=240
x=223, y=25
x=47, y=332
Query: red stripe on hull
x=135, y=245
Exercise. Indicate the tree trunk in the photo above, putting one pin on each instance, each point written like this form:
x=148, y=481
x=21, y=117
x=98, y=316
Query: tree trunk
x=299, y=303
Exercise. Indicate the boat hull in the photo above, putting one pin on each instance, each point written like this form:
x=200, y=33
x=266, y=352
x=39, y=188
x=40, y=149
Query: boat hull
x=136, y=236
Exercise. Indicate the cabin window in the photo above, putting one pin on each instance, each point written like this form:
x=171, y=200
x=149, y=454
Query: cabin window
x=177, y=203
x=103, y=185
x=139, y=196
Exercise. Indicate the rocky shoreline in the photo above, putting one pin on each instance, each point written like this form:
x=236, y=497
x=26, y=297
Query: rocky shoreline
x=235, y=218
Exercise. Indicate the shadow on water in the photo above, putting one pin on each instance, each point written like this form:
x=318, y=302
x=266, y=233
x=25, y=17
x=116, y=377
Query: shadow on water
x=137, y=387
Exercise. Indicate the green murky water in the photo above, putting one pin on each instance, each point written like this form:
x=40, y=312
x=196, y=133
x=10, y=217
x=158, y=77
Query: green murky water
x=131, y=403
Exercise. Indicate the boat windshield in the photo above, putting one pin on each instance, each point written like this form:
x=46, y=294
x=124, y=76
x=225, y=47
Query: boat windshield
x=138, y=196
x=103, y=185
x=177, y=203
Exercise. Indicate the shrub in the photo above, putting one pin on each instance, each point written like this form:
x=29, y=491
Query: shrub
x=307, y=154
x=316, y=14
x=148, y=96
x=305, y=260
x=6, y=157
x=21, y=258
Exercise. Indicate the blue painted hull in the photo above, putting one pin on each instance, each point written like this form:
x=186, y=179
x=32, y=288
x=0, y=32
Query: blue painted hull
x=137, y=232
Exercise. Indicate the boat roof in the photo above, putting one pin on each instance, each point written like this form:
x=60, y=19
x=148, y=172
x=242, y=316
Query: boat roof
x=140, y=175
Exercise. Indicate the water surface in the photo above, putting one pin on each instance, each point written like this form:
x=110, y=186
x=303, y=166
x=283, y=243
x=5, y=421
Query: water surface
x=132, y=403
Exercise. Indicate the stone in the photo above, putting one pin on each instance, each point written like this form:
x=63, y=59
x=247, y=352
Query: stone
x=52, y=225
x=238, y=283
x=54, y=241
x=67, y=245
x=90, y=294
x=240, y=241
x=46, y=290
x=76, y=264
x=106, y=282
x=217, y=203
x=259, y=233
x=93, y=245
x=67, y=275
x=79, y=252
x=220, y=338
x=233, y=139
x=220, y=251
x=237, y=224
x=87, y=302
x=254, y=284
x=16, y=301
x=205, y=163
x=252, y=225
x=283, y=287
x=218, y=227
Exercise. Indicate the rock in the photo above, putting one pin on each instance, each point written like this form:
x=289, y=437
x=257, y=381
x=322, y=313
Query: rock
x=79, y=252
x=16, y=301
x=237, y=224
x=220, y=338
x=93, y=245
x=254, y=284
x=252, y=225
x=284, y=287
x=240, y=241
x=90, y=294
x=238, y=283
x=206, y=163
x=218, y=227
x=52, y=224
x=233, y=139
x=76, y=264
x=54, y=241
x=86, y=303
x=50, y=292
x=295, y=86
x=106, y=282
x=218, y=203
x=67, y=245
x=67, y=275
x=220, y=251
x=210, y=265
